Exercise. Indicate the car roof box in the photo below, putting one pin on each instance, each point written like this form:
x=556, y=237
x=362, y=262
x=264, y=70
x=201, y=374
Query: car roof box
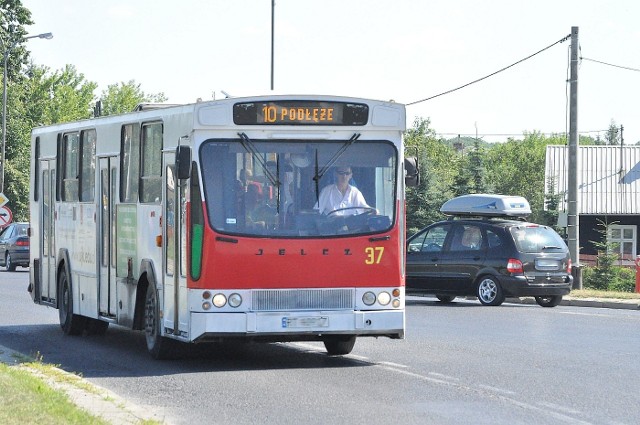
x=485, y=205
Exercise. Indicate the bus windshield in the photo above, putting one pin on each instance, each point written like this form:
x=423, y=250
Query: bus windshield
x=294, y=188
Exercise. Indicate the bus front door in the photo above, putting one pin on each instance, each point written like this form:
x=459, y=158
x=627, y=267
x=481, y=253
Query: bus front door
x=106, y=241
x=176, y=313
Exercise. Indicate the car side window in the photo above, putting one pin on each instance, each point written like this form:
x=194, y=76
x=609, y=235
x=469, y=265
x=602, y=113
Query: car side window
x=467, y=237
x=5, y=233
x=430, y=240
x=493, y=240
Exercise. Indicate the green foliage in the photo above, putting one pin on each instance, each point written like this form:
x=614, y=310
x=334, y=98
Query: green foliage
x=517, y=168
x=435, y=159
x=620, y=279
x=606, y=275
x=471, y=176
x=39, y=98
x=13, y=19
x=124, y=97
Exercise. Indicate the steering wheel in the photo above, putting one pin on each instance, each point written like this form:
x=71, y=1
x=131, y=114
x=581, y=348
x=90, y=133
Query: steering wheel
x=368, y=210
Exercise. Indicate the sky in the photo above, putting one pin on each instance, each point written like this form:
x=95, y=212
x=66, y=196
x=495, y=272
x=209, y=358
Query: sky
x=401, y=50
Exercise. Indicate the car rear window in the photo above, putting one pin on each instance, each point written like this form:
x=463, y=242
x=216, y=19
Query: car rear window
x=533, y=238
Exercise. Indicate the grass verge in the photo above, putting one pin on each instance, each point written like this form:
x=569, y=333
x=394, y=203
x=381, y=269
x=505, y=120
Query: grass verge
x=594, y=293
x=26, y=399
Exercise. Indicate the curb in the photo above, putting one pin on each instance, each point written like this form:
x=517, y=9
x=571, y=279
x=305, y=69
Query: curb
x=585, y=302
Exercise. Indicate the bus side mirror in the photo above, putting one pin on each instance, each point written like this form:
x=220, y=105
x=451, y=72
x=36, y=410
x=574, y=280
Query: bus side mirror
x=411, y=172
x=183, y=162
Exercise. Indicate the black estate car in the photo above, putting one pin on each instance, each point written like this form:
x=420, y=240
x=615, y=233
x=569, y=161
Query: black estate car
x=485, y=250
x=14, y=246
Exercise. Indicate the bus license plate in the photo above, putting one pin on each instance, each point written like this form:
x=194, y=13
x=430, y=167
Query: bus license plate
x=305, y=322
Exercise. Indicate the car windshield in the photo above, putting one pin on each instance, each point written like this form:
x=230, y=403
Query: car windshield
x=534, y=238
x=275, y=188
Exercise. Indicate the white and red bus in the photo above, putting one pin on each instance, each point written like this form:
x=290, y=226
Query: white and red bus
x=196, y=222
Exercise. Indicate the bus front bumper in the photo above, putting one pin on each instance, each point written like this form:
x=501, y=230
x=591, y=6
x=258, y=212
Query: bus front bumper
x=296, y=326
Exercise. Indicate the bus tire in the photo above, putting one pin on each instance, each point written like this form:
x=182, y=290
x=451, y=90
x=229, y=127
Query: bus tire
x=159, y=347
x=71, y=324
x=339, y=345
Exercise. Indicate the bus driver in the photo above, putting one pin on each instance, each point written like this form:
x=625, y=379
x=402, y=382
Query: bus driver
x=341, y=195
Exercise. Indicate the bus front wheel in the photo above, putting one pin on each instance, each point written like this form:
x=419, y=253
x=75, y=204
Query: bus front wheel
x=158, y=346
x=71, y=324
x=339, y=345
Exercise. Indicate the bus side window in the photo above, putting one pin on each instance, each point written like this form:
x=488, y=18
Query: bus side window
x=151, y=176
x=129, y=162
x=70, y=171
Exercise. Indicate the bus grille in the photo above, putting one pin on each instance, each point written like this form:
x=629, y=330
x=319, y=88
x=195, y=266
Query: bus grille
x=303, y=299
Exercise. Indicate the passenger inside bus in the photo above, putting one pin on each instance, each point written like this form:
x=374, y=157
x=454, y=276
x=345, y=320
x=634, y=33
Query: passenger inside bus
x=258, y=214
x=341, y=198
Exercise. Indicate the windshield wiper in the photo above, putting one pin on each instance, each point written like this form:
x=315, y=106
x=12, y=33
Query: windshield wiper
x=551, y=247
x=248, y=145
x=321, y=172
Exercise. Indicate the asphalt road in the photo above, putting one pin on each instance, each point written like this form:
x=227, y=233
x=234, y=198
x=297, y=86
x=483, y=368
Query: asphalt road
x=459, y=364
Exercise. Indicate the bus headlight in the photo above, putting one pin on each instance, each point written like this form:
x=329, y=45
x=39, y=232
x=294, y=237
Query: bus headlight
x=368, y=298
x=235, y=300
x=219, y=300
x=384, y=298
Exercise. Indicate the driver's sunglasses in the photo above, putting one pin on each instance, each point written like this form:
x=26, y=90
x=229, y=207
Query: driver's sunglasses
x=344, y=173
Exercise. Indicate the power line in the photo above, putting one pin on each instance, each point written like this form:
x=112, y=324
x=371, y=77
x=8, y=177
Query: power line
x=610, y=64
x=493, y=73
x=557, y=133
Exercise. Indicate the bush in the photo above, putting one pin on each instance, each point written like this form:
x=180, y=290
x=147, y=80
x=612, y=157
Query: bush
x=615, y=278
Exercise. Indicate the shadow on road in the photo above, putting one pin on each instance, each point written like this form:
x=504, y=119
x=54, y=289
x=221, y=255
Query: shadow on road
x=122, y=353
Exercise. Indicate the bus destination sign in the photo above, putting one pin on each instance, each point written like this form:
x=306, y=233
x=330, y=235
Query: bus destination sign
x=298, y=112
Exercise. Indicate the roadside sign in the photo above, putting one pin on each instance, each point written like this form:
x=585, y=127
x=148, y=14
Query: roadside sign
x=3, y=199
x=6, y=216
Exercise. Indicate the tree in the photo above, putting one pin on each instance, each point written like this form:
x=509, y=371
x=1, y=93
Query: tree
x=517, y=168
x=13, y=19
x=471, y=173
x=613, y=134
x=39, y=98
x=124, y=97
x=435, y=159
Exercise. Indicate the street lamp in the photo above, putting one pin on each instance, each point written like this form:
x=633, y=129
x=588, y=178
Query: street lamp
x=47, y=36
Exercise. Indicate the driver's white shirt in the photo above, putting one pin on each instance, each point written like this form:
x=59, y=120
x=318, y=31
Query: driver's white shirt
x=331, y=199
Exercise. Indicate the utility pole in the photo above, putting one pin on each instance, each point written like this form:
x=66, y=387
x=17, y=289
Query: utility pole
x=273, y=13
x=573, y=227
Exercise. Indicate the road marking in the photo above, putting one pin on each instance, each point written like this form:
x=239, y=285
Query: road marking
x=393, y=364
x=450, y=381
x=496, y=389
x=558, y=407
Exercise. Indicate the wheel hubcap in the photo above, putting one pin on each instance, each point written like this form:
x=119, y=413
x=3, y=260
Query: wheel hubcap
x=487, y=290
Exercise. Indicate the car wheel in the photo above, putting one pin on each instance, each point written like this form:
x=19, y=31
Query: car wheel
x=550, y=301
x=8, y=263
x=489, y=291
x=446, y=299
x=159, y=347
x=339, y=345
x=71, y=324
